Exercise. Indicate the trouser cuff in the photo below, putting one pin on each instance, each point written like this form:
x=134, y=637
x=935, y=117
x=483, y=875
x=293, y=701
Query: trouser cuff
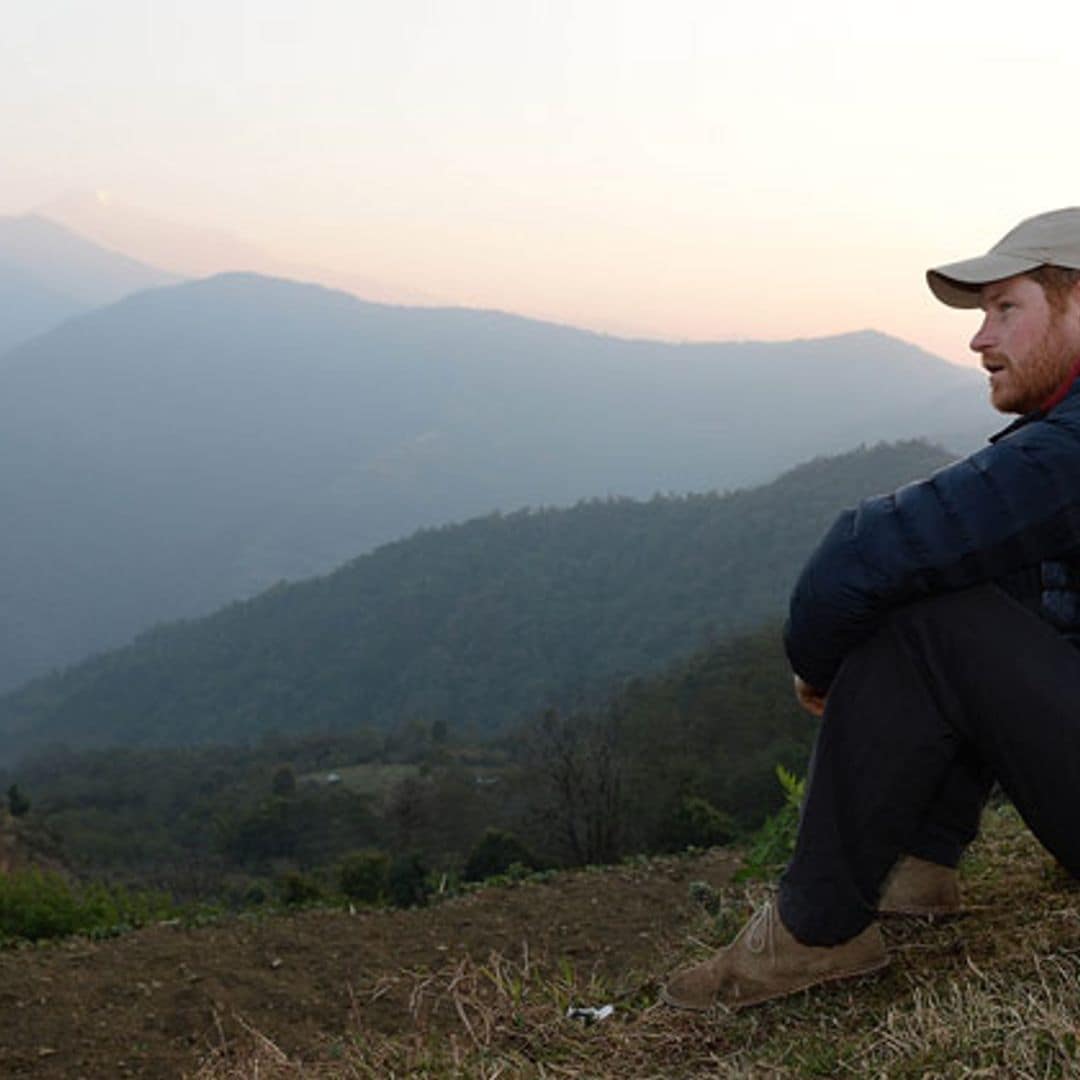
x=820, y=915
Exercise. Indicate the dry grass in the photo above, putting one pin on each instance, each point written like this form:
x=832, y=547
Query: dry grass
x=994, y=994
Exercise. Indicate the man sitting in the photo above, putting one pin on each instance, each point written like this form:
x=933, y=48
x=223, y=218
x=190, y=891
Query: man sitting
x=934, y=631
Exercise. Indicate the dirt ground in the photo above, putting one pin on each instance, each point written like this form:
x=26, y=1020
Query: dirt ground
x=155, y=1002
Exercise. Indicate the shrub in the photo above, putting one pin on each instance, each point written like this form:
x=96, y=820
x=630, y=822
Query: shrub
x=240, y=891
x=773, y=844
x=697, y=823
x=283, y=784
x=297, y=888
x=362, y=875
x=496, y=852
x=704, y=895
x=18, y=803
x=36, y=905
x=407, y=882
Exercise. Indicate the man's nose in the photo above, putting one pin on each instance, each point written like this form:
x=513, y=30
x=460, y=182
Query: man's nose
x=983, y=339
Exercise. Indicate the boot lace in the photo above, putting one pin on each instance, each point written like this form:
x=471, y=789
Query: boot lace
x=759, y=931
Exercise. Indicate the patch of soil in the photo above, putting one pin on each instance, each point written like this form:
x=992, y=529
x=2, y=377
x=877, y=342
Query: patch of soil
x=152, y=1003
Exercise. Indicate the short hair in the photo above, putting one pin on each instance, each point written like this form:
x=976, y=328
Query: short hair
x=1057, y=282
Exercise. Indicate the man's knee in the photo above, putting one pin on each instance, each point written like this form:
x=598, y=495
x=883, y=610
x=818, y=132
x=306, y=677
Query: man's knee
x=977, y=602
x=935, y=639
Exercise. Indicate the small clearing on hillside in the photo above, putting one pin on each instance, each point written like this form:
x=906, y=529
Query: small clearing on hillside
x=368, y=779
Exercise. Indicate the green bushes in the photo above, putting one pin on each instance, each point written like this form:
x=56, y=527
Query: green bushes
x=297, y=888
x=695, y=822
x=407, y=882
x=496, y=852
x=18, y=803
x=368, y=876
x=362, y=875
x=770, y=847
x=36, y=904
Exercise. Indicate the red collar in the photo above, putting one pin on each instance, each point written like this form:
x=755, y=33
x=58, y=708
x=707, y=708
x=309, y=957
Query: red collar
x=1058, y=396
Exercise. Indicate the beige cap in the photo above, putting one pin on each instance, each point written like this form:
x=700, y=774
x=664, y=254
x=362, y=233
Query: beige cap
x=1051, y=239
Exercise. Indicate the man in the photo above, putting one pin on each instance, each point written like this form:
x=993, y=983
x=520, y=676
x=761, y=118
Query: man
x=931, y=632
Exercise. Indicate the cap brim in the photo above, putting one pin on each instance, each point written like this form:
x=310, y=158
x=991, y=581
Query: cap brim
x=958, y=284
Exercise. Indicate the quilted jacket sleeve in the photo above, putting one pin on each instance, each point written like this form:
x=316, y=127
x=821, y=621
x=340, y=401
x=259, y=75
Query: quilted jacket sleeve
x=1011, y=505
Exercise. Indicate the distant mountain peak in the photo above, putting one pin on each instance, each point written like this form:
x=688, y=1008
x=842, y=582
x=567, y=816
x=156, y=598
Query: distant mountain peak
x=48, y=274
x=71, y=263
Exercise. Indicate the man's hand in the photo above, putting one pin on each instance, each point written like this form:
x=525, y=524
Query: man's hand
x=809, y=697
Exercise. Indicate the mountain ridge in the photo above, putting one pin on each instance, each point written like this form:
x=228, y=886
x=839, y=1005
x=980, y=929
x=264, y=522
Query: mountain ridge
x=191, y=444
x=49, y=273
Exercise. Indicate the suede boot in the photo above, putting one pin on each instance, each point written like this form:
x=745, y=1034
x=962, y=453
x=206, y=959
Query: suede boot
x=918, y=887
x=765, y=961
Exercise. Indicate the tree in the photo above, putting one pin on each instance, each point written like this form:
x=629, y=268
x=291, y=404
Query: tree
x=284, y=783
x=408, y=811
x=576, y=759
x=268, y=832
x=495, y=854
x=362, y=875
x=18, y=803
x=407, y=882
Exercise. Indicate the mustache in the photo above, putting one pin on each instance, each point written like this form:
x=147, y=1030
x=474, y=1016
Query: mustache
x=1000, y=359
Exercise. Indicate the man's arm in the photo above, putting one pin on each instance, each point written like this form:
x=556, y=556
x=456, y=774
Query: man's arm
x=1014, y=504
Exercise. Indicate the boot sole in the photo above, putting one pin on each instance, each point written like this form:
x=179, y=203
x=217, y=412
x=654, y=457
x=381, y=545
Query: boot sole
x=760, y=999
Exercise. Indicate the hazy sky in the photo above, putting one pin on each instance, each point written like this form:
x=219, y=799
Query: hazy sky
x=686, y=170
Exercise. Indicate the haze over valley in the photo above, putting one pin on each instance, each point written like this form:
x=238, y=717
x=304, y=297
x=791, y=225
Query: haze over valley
x=193, y=443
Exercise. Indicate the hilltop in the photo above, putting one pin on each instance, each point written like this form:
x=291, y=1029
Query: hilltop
x=479, y=986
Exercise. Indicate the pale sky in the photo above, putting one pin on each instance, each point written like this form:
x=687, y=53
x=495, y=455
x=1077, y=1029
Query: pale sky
x=686, y=170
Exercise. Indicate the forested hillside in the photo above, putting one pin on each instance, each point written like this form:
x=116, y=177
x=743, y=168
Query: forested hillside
x=473, y=625
x=685, y=757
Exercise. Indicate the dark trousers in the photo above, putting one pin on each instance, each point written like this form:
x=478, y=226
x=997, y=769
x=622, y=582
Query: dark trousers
x=951, y=694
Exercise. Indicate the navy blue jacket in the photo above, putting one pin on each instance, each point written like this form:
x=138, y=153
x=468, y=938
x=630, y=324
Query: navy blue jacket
x=1010, y=511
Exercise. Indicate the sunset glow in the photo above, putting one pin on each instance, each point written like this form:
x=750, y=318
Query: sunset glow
x=696, y=170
